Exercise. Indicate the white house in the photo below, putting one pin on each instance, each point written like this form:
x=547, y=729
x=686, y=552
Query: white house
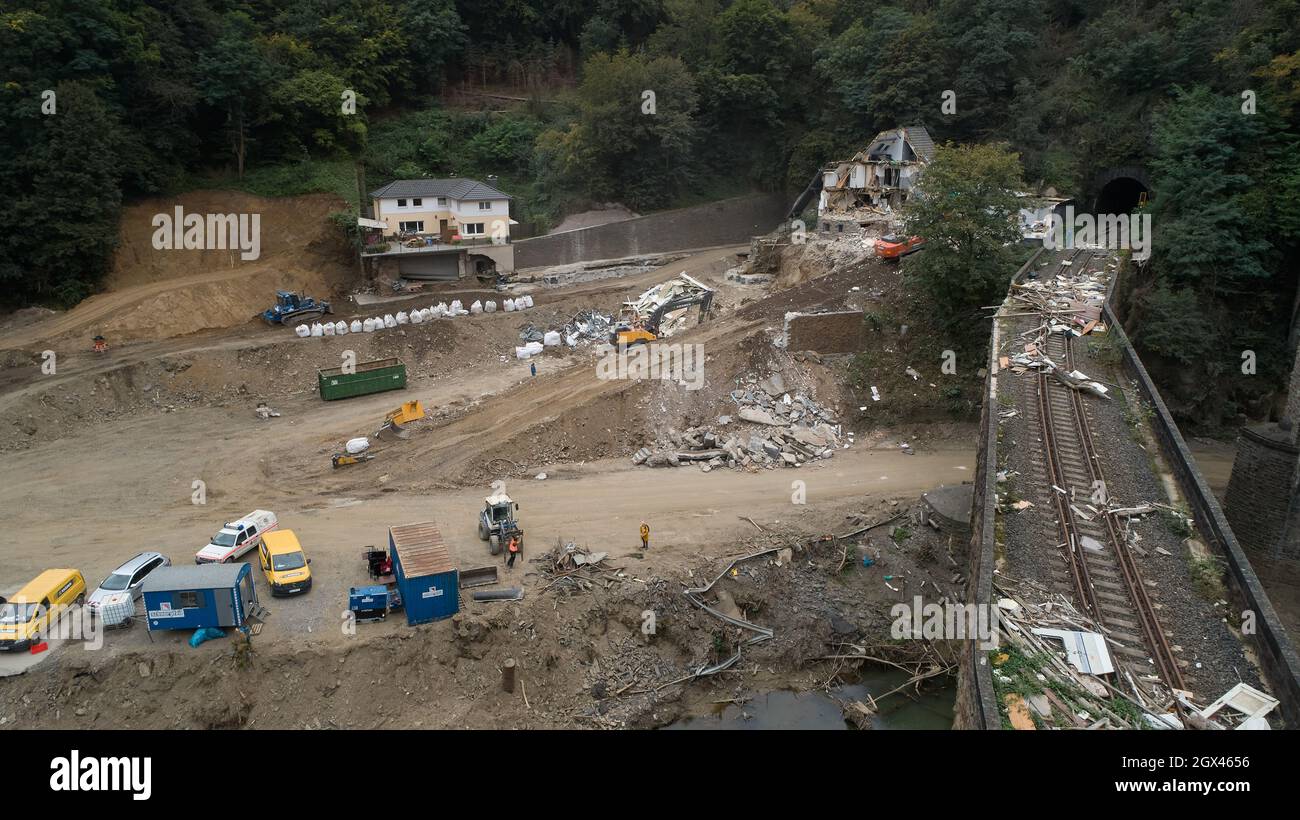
x=444, y=228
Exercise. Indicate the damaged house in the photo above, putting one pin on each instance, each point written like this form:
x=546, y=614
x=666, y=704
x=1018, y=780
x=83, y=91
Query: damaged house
x=867, y=189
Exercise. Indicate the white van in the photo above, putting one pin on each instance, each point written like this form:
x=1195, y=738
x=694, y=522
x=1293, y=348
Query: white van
x=237, y=538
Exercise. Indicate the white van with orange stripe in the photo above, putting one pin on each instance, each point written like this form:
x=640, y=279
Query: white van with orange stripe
x=237, y=538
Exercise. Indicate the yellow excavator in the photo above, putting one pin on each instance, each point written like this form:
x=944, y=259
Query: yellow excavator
x=631, y=331
x=392, y=428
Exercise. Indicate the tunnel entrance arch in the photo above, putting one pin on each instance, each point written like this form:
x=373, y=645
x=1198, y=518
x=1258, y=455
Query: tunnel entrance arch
x=1120, y=190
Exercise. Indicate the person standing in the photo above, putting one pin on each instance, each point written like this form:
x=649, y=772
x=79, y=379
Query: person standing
x=533, y=367
x=645, y=536
x=512, y=551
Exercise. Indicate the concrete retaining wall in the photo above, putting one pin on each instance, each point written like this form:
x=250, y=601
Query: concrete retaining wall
x=977, y=705
x=726, y=222
x=1277, y=656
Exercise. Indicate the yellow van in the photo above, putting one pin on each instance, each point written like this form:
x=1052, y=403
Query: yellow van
x=30, y=612
x=284, y=563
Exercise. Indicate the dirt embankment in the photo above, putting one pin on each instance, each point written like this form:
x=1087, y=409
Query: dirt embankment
x=154, y=293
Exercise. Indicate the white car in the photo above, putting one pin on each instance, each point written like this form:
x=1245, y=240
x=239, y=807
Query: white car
x=113, y=601
x=237, y=538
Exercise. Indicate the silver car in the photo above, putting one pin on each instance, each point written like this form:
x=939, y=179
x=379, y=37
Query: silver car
x=114, y=599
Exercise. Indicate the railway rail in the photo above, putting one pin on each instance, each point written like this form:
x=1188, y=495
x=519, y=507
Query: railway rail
x=1101, y=570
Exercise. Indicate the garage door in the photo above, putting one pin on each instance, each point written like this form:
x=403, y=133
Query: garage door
x=439, y=266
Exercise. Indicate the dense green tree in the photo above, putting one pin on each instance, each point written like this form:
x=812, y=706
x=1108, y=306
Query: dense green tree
x=234, y=76
x=67, y=182
x=626, y=145
x=966, y=210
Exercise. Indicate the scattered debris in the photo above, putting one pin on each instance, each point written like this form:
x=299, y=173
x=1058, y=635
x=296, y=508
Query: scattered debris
x=786, y=430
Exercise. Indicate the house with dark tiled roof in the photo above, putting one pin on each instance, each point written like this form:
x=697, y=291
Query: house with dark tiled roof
x=441, y=228
x=870, y=187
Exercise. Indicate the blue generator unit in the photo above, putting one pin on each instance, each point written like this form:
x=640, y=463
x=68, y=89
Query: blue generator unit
x=185, y=597
x=426, y=578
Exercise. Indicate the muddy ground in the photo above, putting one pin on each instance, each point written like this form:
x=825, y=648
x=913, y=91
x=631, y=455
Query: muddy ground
x=108, y=450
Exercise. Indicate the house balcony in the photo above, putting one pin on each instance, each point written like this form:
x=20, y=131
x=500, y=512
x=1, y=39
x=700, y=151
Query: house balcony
x=431, y=244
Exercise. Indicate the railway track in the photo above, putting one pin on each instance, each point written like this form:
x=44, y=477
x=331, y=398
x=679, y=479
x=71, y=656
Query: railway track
x=1100, y=568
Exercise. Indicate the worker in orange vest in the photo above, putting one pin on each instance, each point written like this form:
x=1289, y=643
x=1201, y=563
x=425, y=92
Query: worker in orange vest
x=645, y=536
x=512, y=549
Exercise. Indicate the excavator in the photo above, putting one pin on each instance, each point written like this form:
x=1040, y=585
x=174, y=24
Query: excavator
x=633, y=331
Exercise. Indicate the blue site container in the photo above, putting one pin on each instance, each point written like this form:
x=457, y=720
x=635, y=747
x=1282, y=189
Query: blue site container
x=426, y=578
x=185, y=597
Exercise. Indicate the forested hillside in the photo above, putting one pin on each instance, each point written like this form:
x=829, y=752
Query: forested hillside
x=155, y=96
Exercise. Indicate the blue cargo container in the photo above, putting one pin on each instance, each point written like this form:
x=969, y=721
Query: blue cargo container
x=186, y=597
x=427, y=580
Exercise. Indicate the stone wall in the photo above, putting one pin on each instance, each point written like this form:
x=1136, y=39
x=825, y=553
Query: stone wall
x=726, y=222
x=1259, y=490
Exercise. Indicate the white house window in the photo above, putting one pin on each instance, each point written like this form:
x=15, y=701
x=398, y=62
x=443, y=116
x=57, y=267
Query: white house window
x=417, y=202
x=411, y=227
x=401, y=203
x=442, y=202
x=485, y=206
x=472, y=229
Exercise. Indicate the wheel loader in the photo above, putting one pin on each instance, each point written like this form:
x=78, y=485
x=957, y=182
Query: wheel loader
x=496, y=523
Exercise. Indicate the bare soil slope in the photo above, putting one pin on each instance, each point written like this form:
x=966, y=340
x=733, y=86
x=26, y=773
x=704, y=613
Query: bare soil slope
x=156, y=294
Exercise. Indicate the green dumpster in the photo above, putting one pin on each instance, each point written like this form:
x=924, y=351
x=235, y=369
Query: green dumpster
x=365, y=378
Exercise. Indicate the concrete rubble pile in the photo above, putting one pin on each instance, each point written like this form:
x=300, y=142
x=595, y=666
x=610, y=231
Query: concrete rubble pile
x=648, y=302
x=772, y=427
x=586, y=326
